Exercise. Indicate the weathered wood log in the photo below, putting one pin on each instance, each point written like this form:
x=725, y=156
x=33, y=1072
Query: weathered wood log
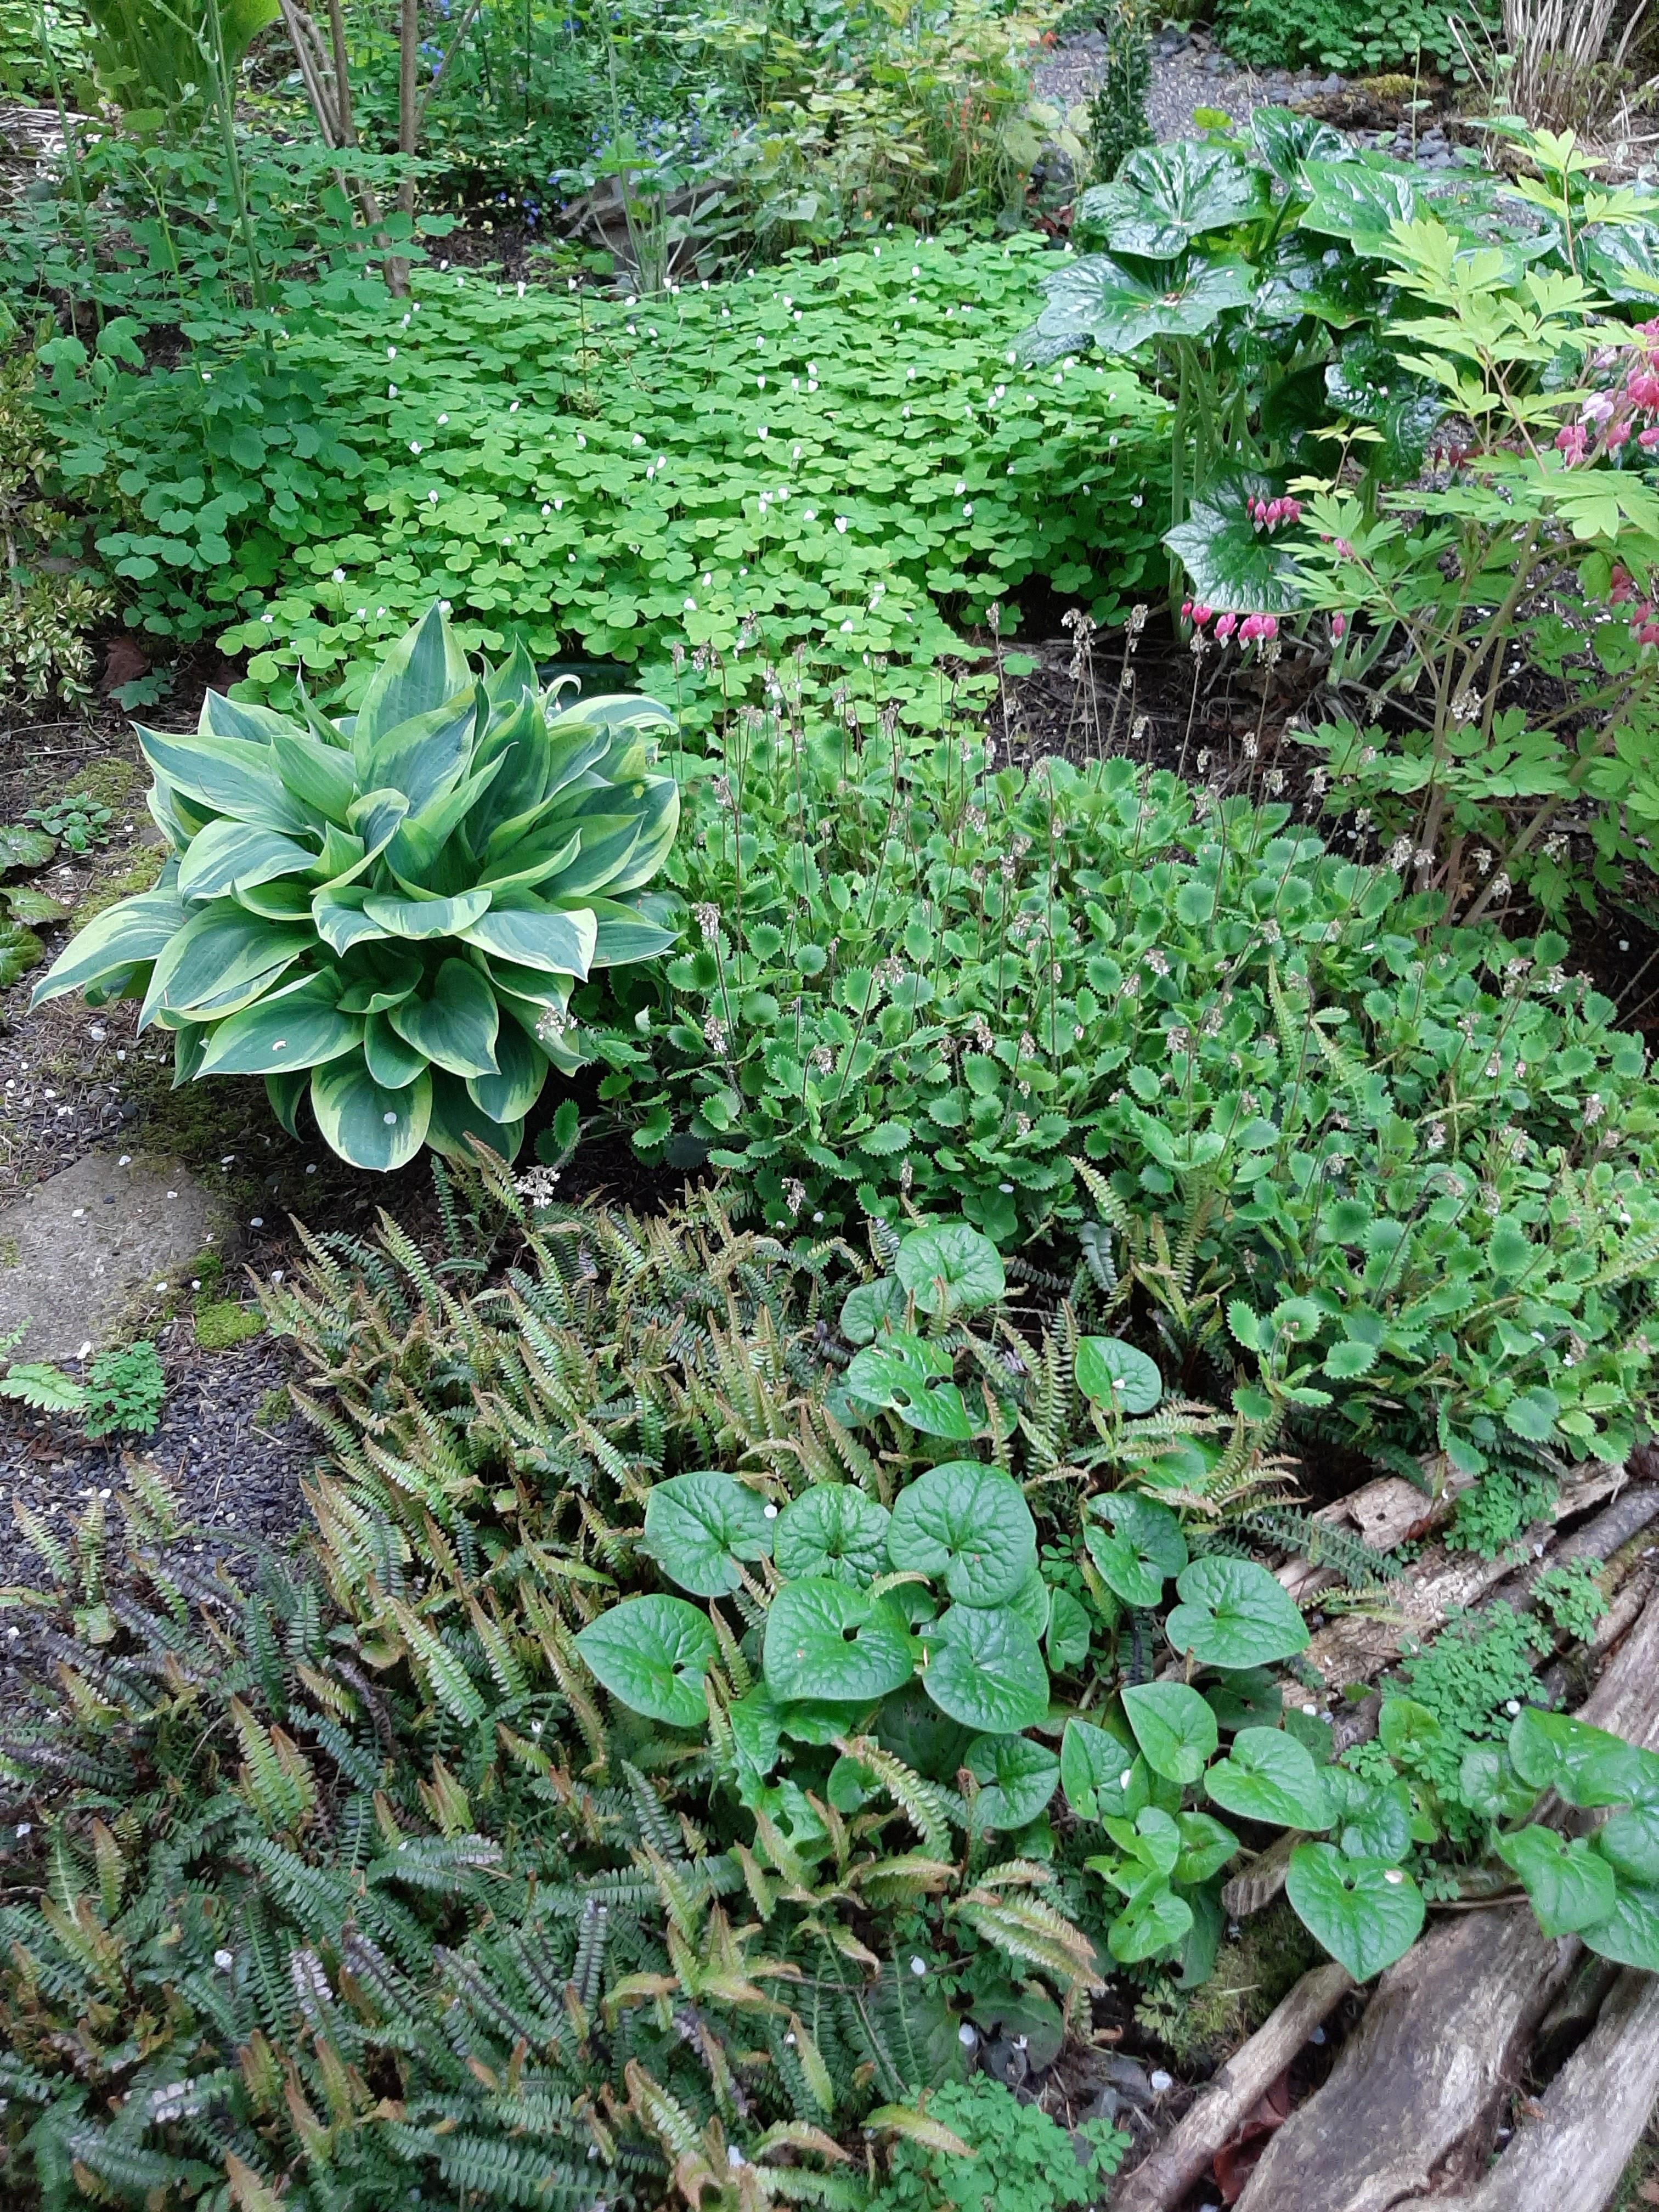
x=1413, y=2101
x=1164, y=2178
x=1569, y=2158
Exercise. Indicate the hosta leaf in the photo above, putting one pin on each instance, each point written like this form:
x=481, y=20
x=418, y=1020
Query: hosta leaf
x=1230, y=564
x=422, y=671
x=652, y=1653
x=985, y=1668
x=455, y=1023
x=1269, y=1776
x=227, y=775
x=1116, y=1375
x=365, y=1124
x=832, y=1529
x=1366, y=1915
x=1174, y=1726
x=1233, y=1613
x=967, y=1524
x=1571, y=1884
x=229, y=853
x=698, y=1527
x=953, y=1269
x=300, y=1029
x=1017, y=1778
x=556, y=942
x=392, y=1060
x=220, y=961
x=825, y=1639
x=508, y=1095
x=457, y=1120
x=421, y=919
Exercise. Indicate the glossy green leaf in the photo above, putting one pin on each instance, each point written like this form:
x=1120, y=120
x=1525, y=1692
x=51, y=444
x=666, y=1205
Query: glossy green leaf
x=832, y=1529
x=1206, y=1846
x=949, y=1270
x=1097, y=1772
x=1017, y=1778
x=1154, y=1922
x=1142, y=1549
x=825, y=1639
x=968, y=1525
x=699, y=1527
x=1268, y=1776
x=902, y=1374
x=985, y=1668
x=1117, y=1376
x=364, y=1122
x=652, y=1653
x=1174, y=1726
x=1233, y=1613
x=1570, y=1884
x=1365, y=1914
x=1584, y=1765
x=1230, y=564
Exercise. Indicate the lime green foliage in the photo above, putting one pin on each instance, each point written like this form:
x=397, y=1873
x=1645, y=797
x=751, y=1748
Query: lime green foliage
x=50, y=599
x=1572, y=1598
x=387, y=916
x=1354, y=36
x=222, y=1322
x=124, y=1390
x=1022, y=2160
x=78, y=824
x=584, y=465
x=1506, y=1500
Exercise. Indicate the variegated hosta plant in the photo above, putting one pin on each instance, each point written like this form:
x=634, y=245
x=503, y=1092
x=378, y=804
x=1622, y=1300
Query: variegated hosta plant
x=389, y=911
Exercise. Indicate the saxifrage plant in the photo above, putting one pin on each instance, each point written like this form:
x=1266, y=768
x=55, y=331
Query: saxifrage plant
x=386, y=914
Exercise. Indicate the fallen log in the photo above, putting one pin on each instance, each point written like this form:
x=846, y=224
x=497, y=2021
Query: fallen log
x=1570, y=2156
x=1186, y=2151
x=1412, y=2103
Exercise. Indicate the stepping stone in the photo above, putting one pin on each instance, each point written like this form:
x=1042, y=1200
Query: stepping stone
x=82, y=1251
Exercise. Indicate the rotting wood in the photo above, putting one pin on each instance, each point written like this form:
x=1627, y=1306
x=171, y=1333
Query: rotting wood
x=1162, y=2180
x=1413, y=2102
x=1568, y=2157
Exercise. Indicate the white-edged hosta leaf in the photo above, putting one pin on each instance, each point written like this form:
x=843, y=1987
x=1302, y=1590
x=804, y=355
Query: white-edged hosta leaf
x=363, y=1121
x=557, y=942
x=228, y=854
x=392, y=1060
x=453, y=1022
x=302, y=1029
x=220, y=961
x=508, y=1095
x=126, y=935
x=423, y=919
x=456, y=1120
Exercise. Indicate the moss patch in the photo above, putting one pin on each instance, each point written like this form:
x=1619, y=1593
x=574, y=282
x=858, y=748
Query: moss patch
x=139, y=874
x=221, y=1322
x=1204, y=2026
x=110, y=781
x=273, y=1409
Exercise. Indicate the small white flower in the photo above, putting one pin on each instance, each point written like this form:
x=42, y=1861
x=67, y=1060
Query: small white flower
x=339, y=575
x=841, y=525
x=414, y=445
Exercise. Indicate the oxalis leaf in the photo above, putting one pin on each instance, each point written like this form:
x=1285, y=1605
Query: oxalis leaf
x=652, y=1653
x=1365, y=1914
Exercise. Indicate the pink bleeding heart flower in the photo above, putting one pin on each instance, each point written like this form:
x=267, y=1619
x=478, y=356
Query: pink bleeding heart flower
x=1339, y=627
x=1225, y=627
x=1571, y=441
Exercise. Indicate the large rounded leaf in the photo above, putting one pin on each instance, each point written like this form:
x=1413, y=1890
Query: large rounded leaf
x=699, y=1526
x=949, y=1270
x=1142, y=1549
x=1120, y=308
x=371, y=1127
x=652, y=1653
x=832, y=1529
x=1228, y=562
x=1365, y=1914
x=1017, y=1778
x=1156, y=1920
x=985, y=1668
x=1630, y=1934
x=1115, y=1375
x=825, y=1639
x=1269, y=1776
x=1582, y=1763
x=426, y=918
x=1173, y=1726
x=1233, y=1613
x=906, y=1375
x=968, y=1524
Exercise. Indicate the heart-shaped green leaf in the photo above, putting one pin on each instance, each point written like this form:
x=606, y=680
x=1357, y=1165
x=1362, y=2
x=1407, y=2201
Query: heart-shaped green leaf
x=1365, y=1914
x=1630, y=1934
x=1121, y=308
x=1228, y=562
x=1156, y=1920
x=1233, y=1613
x=1144, y=1546
x=1630, y=1842
x=652, y=1653
x=1097, y=1772
x=870, y=1309
x=832, y=1529
x=1373, y=1818
x=1206, y=1847
x=1017, y=1778
x=699, y=1526
x=1245, y=1697
x=1584, y=1765
x=1370, y=385
x=968, y=1524
x=1174, y=1726
x=1115, y=1375
x=1067, y=1642
x=985, y=1668
x=1269, y=1776
x=949, y=1270
x=1571, y=1884
x=825, y=1639
x=902, y=1376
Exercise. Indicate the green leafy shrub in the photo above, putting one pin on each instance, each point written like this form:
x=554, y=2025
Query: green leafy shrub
x=52, y=599
x=122, y=1395
x=1019, y=2159
x=386, y=916
x=1117, y=112
x=1487, y=783
x=1356, y=37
